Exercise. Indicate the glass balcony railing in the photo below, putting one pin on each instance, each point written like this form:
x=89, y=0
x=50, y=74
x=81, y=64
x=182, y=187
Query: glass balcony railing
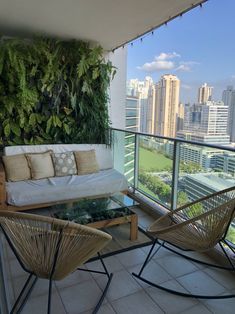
x=173, y=172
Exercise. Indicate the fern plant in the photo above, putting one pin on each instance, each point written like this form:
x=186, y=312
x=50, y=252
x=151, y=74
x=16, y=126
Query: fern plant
x=53, y=91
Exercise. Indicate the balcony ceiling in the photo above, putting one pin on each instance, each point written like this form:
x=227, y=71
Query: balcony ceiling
x=110, y=23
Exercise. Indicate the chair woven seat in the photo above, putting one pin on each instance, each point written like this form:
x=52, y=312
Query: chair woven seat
x=50, y=248
x=198, y=226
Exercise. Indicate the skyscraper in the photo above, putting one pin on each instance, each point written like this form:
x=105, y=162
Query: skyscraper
x=145, y=91
x=166, y=105
x=132, y=113
x=204, y=93
x=228, y=98
x=180, y=117
x=206, y=122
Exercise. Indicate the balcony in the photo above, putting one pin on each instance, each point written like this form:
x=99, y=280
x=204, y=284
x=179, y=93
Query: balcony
x=163, y=174
x=179, y=167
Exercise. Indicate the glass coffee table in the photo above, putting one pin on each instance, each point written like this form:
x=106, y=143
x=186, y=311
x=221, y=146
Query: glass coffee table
x=100, y=212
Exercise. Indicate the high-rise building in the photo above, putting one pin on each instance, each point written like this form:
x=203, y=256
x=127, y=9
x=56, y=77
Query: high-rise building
x=166, y=105
x=145, y=91
x=180, y=117
x=228, y=98
x=206, y=123
x=204, y=93
x=132, y=113
x=132, y=124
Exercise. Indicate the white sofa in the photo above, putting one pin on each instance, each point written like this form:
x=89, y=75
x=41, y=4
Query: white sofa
x=38, y=193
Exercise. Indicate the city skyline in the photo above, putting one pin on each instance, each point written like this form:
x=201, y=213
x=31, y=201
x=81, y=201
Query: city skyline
x=161, y=113
x=193, y=48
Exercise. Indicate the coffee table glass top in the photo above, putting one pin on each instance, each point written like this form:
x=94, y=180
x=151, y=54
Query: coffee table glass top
x=87, y=211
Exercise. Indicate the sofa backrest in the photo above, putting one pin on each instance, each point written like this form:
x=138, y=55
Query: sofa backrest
x=103, y=152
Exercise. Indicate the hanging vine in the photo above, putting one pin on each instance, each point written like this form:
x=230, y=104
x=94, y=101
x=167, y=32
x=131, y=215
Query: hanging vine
x=53, y=91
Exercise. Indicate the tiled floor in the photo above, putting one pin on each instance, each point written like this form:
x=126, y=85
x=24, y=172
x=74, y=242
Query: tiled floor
x=79, y=292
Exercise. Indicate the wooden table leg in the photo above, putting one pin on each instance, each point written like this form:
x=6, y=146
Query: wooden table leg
x=134, y=227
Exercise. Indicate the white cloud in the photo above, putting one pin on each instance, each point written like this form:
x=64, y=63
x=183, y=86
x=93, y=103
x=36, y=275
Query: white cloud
x=233, y=76
x=185, y=86
x=166, y=56
x=157, y=65
x=160, y=62
x=184, y=68
x=164, y=61
x=189, y=63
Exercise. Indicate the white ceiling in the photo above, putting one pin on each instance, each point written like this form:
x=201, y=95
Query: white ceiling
x=107, y=22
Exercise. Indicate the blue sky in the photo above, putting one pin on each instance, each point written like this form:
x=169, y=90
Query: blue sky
x=198, y=47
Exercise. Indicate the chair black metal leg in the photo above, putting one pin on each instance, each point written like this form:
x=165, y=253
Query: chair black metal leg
x=189, y=295
x=228, y=258
x=229, y=245
x=25, y=298
x=149, y=257
x=196, y=260
x=49, y=297
x=98, y=305
x=110, y=276
x=199, y=296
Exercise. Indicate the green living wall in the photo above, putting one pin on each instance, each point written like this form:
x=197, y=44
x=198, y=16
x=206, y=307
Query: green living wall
x=53, y=91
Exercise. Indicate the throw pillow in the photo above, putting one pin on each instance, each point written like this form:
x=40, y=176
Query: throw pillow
x=17, y=168
x=86, y=162
x=41, y=165
x=64, y=164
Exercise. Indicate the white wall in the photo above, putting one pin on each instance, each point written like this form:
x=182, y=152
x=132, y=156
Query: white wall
x=117, y=111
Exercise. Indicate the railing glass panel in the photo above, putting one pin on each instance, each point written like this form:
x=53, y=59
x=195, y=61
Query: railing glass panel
x=155, y=168
x=171, y=171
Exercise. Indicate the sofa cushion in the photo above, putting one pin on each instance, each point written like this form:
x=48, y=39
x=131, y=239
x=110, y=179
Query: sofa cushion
x=103, y=152
x=65, y=188
x=41, y=165
x=16, y=167
x=86, y=162
x=64, y=164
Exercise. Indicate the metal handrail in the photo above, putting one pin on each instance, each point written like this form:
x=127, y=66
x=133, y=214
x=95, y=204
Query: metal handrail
x=175, y=159
x=173, y=139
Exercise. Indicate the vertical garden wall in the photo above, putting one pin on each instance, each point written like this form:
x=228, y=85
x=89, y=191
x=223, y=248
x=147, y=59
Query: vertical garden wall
x=53, y=91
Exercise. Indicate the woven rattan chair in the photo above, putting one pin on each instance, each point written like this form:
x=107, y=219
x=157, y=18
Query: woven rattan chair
x=198, y=226
x=51, y=249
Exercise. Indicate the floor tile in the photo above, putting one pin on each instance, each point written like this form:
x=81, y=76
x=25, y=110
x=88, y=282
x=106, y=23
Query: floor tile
x=132, y=258
x=15, y=268
x=160, y=254
x=40, y=288
x=197, y=309
x=199, y=282
x=80, y=298
x=170, y=303
x=152, y=272
x=145, y=221
x=38, y=305
x=137, y=303
x=104, y=309
x=138, y=211
x=225, y=278
x=225, y=306
x=75, y=278
x=175, y=265
x=122, y=285
x=112, y=263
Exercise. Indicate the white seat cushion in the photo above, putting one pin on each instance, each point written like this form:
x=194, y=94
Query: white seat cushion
x=54, y=189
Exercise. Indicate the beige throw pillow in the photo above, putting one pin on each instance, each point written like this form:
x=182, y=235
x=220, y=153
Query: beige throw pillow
x=41, y=165
x=86, y=162
x=16, y=167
